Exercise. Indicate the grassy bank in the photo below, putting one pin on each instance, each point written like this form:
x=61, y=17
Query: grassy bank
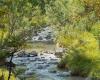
x=40, y=46
x=4, y=74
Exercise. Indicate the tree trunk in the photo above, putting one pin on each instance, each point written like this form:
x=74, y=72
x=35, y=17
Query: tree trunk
x=10, y=66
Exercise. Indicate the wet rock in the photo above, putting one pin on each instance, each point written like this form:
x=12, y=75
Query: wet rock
x=52, y=71
x=43, y=59
x=48, y=37
x=37, y=63
x=40, y=38
x=54, y=59
x=40, y=67
x=63, y=74
x=37, y=59
x=53, y=62
x=22, y=54
x=33, y=54
x=47, y=65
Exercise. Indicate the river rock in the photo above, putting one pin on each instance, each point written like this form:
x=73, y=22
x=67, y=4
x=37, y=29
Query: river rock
x=40, y=67
x=52, y=71
x=40, y=38
x=53, y=62
x=33, y=54
x=23, y=54
x=63, y=74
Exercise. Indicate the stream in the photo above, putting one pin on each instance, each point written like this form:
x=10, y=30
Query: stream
x=43, y=65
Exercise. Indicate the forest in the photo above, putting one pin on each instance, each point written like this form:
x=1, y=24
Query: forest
x=75, y=26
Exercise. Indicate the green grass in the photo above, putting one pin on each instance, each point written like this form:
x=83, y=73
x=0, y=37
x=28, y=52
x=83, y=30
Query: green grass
x=6, y=73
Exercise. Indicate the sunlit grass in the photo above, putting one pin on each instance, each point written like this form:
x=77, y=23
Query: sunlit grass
x=5, y=73
x=40, y=46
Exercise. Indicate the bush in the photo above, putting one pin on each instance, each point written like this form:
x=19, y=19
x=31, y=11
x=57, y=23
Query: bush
x=96, y=31
x=83, y=56
x=82, y=63
x=3, y=54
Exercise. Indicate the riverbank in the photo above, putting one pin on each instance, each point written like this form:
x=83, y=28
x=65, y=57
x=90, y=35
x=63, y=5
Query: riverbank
x=40, y=46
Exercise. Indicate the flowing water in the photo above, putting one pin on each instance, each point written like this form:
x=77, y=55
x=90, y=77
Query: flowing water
x=43, y=66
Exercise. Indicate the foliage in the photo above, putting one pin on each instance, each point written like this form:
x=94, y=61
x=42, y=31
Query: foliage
x=18, y=21
x=56, y=11
x=93, y=5
x=96, y=31
x=71, y=12
x=77, y=25
x=82, y=54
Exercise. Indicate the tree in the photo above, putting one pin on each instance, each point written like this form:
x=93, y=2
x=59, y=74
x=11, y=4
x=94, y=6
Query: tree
x=16, y=20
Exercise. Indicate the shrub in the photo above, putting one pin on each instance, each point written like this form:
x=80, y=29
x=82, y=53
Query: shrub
x=3, y=54
x=82, y=55
x=82, y=63
x=96, y=31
